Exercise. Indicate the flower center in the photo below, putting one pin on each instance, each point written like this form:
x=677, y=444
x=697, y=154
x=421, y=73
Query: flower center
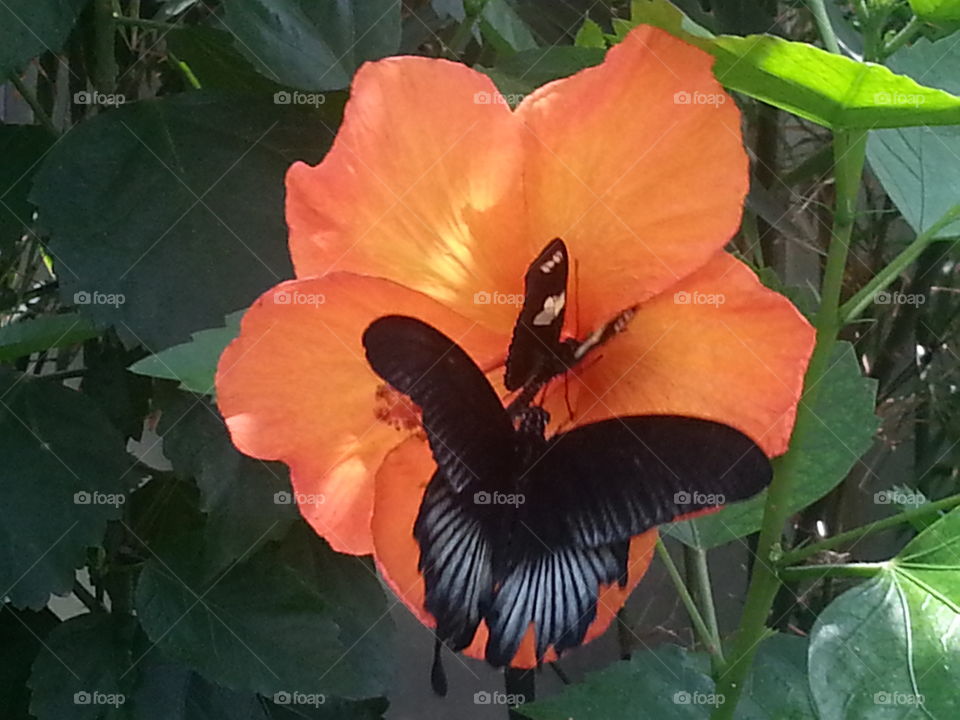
x=396, y=410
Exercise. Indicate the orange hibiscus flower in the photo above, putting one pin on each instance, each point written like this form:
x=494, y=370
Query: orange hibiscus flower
x=432, y=202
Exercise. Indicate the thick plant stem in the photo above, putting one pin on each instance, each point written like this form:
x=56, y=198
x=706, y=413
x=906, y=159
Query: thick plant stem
x=710, y=643
x=800, y=554
x=849, y=148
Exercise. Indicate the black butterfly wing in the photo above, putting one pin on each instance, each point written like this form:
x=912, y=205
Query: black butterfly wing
x=456, y=556
x=593, y=489
x=536, y=334
x=617, y=478
x=470, y=434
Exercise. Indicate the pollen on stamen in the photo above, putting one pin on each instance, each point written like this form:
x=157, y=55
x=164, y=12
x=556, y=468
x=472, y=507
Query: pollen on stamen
x=396, y=410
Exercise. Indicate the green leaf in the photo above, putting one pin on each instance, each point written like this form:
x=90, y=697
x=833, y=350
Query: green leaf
x=47, y=331
x=889, y=646
x=247, y=501
x=504, y=29
x=22, y=634
x=85, y=673
x=590, y=35
x=918, y=166
x=166, y=215
x=215, y=62
x=829, y=89
x=63, y=475
x=170, y=691
x=844, y=431
x=31, y=27
x=777, y=687
x=521, y=74
x=294, y=617
x=313, y=45
x=938, y=12
x=193, y=363
x=668, y=678
x=21, y=147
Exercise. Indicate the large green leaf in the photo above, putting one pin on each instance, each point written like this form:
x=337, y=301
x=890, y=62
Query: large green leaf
x=165, y=215
x=22, y=634
x=21, y=147
x=170, y=691
x=247, y=501
x=215, y=62
x=829, y=89
x=193, y=363
x=311, y=44
x=290, y=618
x=63, y=473
x=669, y=678
x=85, y=673
x=844, y=431
x=889, y=647
x=918, y=166
x=42, y=333
x=31, y=27
x=522, y=73
x=677, y=684
x=504, y=29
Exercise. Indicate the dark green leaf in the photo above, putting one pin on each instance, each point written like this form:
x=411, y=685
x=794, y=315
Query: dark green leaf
x=247, y=501
x=165, y=215
x=193, y=363
x=21, y=147
x=31, y=27
x=215, y=62
x=522, y=73
x=504, y=29
x=918, y=166
x=668, y=678
x=169, y=691
x=777, y=687
x=22, y=633
x=86, y=671
x=63, y=475
x=266, y=625
x=313, y=45
x=844, y=431
x=48, y=331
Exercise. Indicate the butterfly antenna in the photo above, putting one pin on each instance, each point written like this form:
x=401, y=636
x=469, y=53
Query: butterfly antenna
x=438, y=677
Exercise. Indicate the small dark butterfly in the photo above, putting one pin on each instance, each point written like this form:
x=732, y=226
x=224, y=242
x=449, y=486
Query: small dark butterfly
x=515, y=527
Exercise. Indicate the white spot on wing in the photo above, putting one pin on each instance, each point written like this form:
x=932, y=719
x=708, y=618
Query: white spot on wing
x=548, y=266
x=551, y=310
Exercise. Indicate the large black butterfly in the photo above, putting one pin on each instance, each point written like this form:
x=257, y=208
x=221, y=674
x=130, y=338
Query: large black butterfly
x=516, y=528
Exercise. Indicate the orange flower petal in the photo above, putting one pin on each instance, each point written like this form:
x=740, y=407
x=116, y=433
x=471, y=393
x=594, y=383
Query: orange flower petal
x=417, y=188
x=295, y=386
x=718, y=345
x=643, y=187
x=401, y=482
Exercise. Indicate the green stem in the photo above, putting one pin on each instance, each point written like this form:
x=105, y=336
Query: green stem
x=106, y=57
x=712, y=647
x=906, y=34
x=858, y=303
x=38, y=112
x=818, y=572
x=819, y=11
x=856, y=533
x=698, y=575
x=849, y=150
x=142, y=23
